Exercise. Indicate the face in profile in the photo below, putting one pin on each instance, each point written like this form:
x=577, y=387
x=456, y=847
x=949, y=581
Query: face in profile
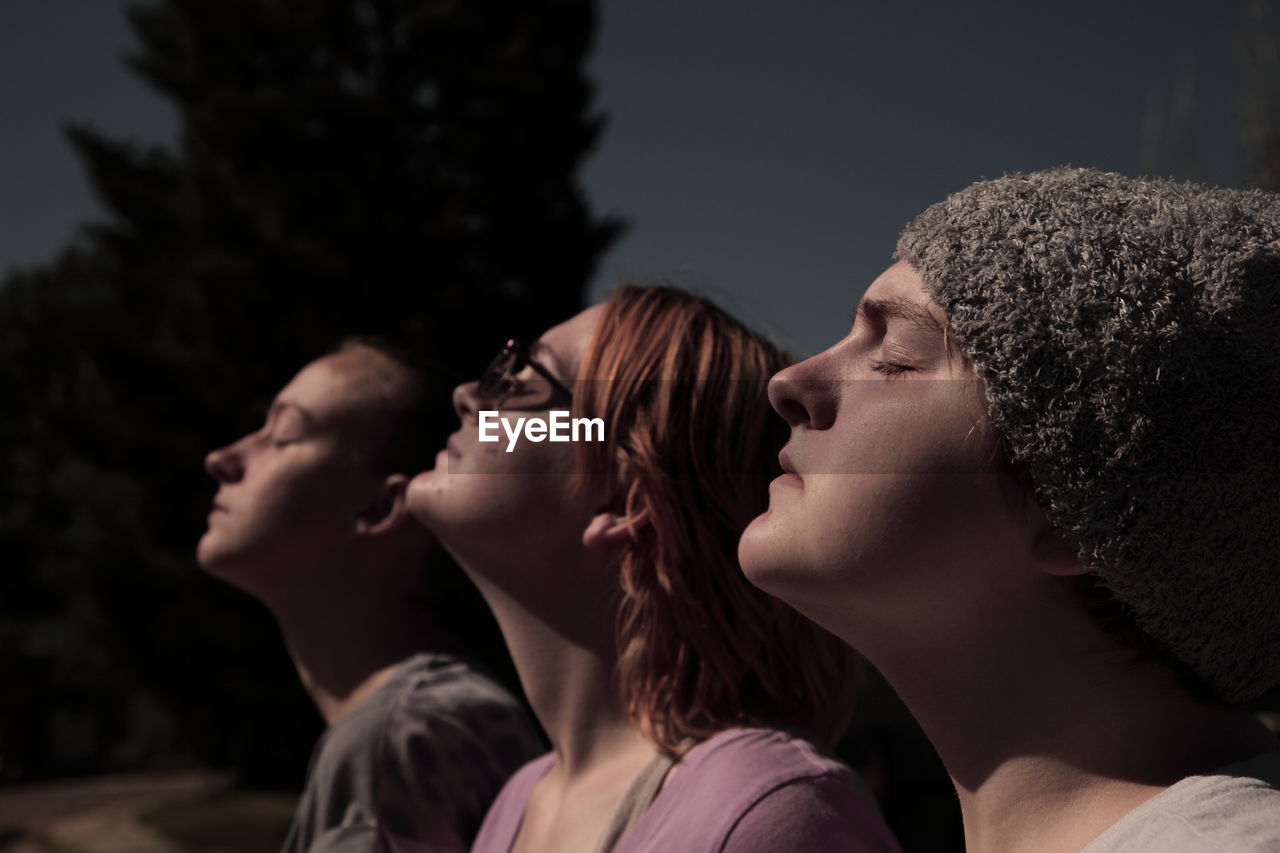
x=891, y=502
x=290, y=494
x=480, y=499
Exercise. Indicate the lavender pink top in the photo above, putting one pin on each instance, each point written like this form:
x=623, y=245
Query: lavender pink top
x=742, y=791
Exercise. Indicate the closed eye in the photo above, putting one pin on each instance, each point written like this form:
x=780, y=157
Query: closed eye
x=889, y=368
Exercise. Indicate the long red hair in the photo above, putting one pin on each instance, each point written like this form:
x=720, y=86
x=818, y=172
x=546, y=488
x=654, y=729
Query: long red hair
x=692, y=442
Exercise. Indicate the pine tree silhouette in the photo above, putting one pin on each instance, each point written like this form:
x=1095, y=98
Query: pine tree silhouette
x=403, y=167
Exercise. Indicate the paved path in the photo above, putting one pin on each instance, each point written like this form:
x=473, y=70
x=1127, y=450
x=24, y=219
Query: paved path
x=98, y=814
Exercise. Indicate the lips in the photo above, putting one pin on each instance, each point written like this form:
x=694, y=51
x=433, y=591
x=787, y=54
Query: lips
x=788, y=477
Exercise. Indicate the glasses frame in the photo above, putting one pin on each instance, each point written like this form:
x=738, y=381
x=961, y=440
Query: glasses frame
x=494, y=383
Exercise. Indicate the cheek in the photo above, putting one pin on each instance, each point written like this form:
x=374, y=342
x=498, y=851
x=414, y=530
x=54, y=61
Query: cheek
x=293, y=505
x=303, y=493
x=885, y=528
x=910, y=427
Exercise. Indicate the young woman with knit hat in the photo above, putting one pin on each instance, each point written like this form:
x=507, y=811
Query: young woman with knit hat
x=1038, y=486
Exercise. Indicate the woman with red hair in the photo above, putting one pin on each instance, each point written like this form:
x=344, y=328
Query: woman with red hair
x=686, y=709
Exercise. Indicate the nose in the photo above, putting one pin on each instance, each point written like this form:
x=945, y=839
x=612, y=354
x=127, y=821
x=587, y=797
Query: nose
x=466, y=402
x=805, y=394
x=224, y=464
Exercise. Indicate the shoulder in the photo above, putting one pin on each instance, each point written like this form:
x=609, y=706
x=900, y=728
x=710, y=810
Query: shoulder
x=430, y=701
x=758, y=758
x=445, y=684
x=762, y=789
x=1236, y=808
x=441, y=695
x=426, y=753
x=451, y=737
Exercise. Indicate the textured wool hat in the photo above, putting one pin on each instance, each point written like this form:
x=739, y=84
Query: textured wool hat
x=1128, y=332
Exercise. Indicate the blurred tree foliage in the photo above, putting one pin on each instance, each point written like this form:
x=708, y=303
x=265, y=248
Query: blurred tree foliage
x=344, y=166
x=1258, y=59
x=1174, y=116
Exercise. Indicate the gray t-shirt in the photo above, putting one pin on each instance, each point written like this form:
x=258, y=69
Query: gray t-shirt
x=1234, y=810
x=415, y=765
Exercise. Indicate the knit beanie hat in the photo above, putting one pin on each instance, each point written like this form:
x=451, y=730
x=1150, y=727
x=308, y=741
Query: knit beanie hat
x=1128, y=332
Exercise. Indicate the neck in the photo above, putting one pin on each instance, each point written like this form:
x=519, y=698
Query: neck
x=564, y=651
x=346, y=636
x=1050, y=731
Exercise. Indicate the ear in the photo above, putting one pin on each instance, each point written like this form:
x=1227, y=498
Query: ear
x=1055, y=555
x=613, y=528
x=388, y=510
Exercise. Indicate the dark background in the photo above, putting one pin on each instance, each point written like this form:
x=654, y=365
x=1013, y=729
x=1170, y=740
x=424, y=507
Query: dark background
x=198, y=197
x=768, y=152
x=402, y=167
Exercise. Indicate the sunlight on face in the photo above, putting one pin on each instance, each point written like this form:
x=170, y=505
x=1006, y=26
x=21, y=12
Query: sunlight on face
x=289, y=493
x=493, y=507
x=892, y=504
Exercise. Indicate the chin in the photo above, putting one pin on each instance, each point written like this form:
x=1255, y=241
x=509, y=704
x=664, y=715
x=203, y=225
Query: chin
x=207, y=553
x=773, y=563
x=214, y=562
x=420, y=493
x=757, y=554
x=219, y=558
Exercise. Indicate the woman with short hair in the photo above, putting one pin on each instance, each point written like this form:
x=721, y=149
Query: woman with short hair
x=310, y=519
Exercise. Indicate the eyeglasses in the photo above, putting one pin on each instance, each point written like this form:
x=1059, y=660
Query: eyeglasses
x=498, y=383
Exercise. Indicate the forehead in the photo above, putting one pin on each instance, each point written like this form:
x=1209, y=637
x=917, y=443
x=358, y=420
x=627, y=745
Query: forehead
x=567, y=342
x=901, y=284
x=336, y=388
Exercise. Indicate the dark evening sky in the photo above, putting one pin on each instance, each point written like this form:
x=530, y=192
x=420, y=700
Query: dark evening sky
x=764, y=153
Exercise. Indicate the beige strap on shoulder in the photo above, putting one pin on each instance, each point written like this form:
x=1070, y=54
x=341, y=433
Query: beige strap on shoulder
x=636, y=800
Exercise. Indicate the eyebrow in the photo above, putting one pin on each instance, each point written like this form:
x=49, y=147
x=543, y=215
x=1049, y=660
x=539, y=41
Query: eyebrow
x=546, y=353
x=278, y=405
x=879, y=310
